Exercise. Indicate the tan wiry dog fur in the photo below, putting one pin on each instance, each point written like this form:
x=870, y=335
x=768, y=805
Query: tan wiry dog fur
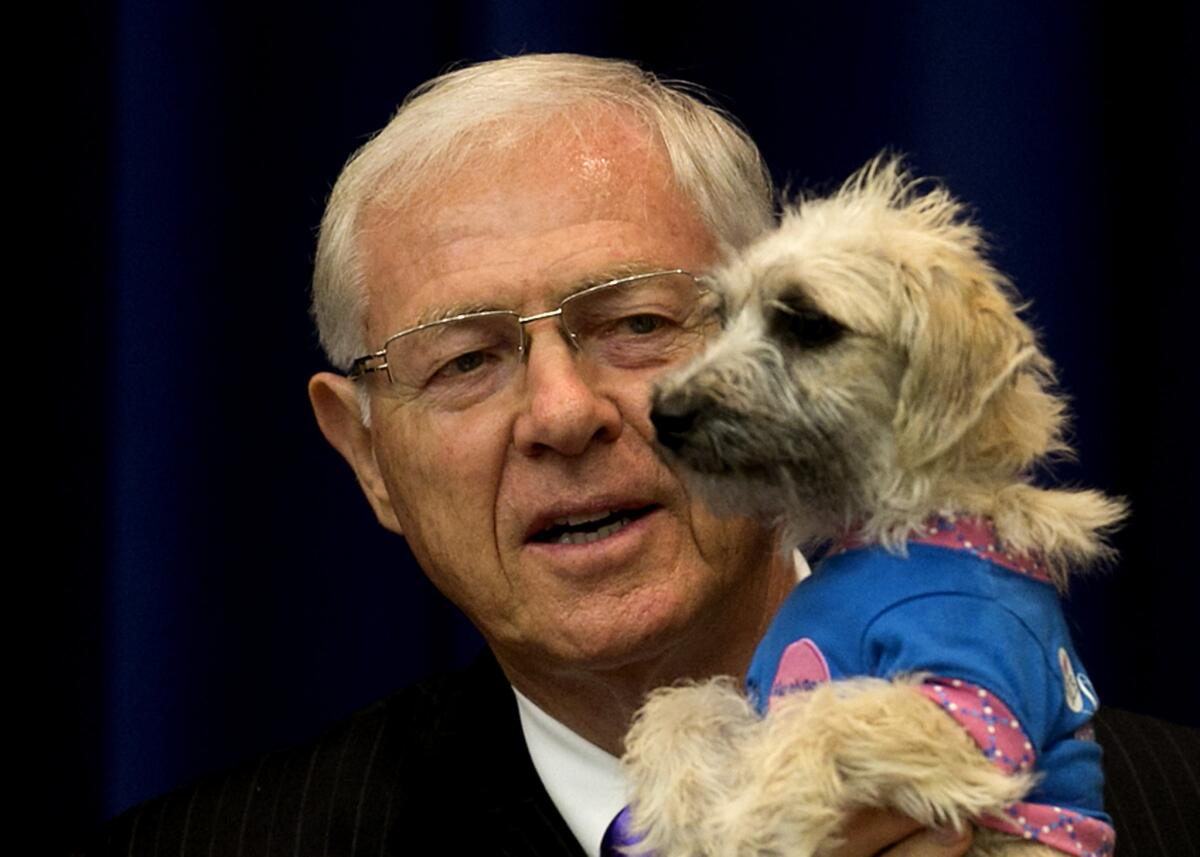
x=873, y=372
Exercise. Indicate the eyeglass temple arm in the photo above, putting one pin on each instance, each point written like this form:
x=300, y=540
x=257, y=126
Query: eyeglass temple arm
x=364, y=365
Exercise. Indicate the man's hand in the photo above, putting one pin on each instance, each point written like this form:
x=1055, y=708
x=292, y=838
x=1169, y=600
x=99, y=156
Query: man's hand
x=878, y=833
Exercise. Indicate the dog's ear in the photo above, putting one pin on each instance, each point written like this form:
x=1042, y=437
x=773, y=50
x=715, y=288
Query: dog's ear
x=964, y=343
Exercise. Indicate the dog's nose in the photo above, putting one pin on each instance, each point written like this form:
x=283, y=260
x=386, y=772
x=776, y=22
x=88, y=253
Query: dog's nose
x=673, y=418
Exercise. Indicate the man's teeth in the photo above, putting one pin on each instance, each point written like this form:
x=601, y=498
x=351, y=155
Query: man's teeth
x=581, y=529
x=576, y=520
x=594, y=535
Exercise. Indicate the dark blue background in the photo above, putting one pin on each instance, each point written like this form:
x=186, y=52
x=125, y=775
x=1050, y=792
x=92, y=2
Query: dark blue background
x=219, y=583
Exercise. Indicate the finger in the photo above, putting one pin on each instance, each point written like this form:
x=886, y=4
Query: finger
x=868, y=832
x=935, y=842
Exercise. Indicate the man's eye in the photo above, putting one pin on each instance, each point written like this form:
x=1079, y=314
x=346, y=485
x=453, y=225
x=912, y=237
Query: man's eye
x=463, y=364
x=642, y=325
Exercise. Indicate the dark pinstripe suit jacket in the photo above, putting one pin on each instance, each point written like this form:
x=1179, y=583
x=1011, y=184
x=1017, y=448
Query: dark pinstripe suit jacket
x=438, y=768
x=442, y=768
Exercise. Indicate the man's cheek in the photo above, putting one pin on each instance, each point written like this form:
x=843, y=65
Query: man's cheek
x=423, y=453
x=633, y=400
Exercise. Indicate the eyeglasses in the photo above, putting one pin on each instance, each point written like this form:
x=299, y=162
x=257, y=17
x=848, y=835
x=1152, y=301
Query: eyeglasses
x=641, y=322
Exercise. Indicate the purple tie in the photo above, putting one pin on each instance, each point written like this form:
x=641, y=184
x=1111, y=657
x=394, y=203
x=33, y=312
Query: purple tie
x=620, y=835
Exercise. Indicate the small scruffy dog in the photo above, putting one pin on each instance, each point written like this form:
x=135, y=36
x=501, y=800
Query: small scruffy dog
x=874, y=388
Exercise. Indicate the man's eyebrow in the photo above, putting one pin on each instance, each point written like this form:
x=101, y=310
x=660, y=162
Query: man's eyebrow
x=594, y=278
x=624, y=269
x=453, y=311
x=613, y=272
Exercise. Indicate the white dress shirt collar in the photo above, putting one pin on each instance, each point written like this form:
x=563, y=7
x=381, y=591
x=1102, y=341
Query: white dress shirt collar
x=583, y=781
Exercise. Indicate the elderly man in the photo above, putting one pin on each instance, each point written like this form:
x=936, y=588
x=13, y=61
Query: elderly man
x=501, y=273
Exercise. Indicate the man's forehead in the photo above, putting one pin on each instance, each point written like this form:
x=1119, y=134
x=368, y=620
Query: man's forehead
x=588, y=159
x=565, y=205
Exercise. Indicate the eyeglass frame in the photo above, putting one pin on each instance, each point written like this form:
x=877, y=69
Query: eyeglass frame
x=359, y=368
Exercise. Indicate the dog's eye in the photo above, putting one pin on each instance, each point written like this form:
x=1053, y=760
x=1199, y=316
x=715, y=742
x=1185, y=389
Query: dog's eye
x=804, y=327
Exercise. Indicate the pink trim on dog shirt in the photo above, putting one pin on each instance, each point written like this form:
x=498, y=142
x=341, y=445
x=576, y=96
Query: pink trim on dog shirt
x=999, y=735
x=1061, y=829
x=976, y=536
x=986, y=719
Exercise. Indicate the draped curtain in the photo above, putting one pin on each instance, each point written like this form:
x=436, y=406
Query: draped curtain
x=220, y=585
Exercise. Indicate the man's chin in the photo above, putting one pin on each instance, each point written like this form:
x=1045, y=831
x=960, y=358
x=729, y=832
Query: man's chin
x=625, y=638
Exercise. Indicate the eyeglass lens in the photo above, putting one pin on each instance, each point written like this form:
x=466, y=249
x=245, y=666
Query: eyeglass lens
x=639, y=325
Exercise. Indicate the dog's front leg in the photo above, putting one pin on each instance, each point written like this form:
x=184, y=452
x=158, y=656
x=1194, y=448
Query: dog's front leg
x=684, y=758
x=866, y=743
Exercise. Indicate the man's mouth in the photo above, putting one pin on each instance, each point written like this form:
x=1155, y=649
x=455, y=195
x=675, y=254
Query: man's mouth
x=582, y=529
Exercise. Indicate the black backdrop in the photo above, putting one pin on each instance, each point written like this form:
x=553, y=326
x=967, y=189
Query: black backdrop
x=219, y=584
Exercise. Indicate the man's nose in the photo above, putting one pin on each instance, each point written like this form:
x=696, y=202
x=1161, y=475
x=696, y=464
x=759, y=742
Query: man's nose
x=562, y=409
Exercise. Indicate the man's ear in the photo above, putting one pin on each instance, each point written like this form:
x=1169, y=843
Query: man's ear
x=335, y=403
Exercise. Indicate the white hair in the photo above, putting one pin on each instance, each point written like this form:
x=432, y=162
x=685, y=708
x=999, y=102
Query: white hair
x=442, y=123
